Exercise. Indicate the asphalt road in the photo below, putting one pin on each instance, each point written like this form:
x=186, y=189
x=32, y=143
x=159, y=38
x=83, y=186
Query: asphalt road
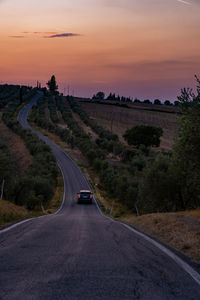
x=80, y=254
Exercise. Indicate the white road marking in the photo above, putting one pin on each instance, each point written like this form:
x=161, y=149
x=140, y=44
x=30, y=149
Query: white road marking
x=185, y=266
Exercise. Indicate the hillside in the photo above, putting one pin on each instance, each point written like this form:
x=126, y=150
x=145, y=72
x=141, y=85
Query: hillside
x=29, y=178
x=120, y=118
x=16, y=147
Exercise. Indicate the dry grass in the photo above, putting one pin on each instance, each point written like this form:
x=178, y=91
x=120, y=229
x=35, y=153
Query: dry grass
x=16, y=147
x=10, y=213
x=86, y=128
x=179, y=230
x=119, y=119
x=57, y=198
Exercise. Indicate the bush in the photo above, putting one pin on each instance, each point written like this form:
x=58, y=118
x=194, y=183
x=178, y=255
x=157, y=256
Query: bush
x=159, y=190
x=143, y=135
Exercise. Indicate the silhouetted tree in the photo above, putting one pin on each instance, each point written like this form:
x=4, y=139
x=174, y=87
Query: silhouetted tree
x=157, y=102
x=167, y=102
x=137, y=100
x=143, y=135
x=187, y=147
x=99, y=96
x=147, y=101
x=177, y=103
x=52, y=85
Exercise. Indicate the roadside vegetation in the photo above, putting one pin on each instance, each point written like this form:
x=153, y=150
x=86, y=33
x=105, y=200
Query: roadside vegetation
x=136, y=183
x=35, y=186
x=143, y=180
x=129, y=179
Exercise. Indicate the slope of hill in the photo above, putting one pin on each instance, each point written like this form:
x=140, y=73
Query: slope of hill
x=120, y=118
x=16, y=147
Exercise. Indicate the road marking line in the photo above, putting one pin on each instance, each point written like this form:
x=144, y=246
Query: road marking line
x=185, y=266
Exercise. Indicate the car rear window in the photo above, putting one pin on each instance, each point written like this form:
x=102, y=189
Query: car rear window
x=85, y=194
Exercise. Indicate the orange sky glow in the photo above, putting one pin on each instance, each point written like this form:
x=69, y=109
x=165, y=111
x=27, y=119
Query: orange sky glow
x=138, y=48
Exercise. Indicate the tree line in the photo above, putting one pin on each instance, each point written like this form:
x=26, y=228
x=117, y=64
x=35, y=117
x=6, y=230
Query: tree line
x=118, y=98
x=36, y=185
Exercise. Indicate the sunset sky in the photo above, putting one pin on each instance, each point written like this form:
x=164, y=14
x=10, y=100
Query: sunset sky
x=138, y=48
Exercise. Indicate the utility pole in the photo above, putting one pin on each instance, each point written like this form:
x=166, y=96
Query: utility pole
x=42, y=207
x=112, y=208
x=2, y=187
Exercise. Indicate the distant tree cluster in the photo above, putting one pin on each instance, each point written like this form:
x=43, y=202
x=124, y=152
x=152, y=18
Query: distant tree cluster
x=117, y=98
x=99, y=96
x=52, y=85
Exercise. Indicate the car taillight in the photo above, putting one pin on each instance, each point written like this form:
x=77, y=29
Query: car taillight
x=79, y=196
x=90, y=196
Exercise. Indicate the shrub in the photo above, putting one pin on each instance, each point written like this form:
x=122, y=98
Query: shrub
x=143, y=135
x=159, y=190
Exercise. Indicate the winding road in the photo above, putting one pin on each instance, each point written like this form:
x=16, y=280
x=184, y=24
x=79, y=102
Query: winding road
x=78, y=253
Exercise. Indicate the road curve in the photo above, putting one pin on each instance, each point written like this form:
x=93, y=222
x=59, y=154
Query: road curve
x=80, y=254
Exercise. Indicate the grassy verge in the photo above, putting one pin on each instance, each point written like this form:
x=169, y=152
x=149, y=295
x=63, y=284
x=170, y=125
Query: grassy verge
x=57, y=198
x=180, y=230
x=10, y=213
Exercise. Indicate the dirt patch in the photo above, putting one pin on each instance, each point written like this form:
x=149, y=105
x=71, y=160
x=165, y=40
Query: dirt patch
x=61, y=121
x=58, y=195
x=16, y=147
x=180, y=231
x=62, y=124
x=86, y=128
x=10, y=213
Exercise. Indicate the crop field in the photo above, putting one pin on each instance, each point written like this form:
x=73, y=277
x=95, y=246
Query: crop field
x=119, y=119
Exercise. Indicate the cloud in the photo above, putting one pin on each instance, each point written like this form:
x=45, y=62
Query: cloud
x=17, y=36
x=62, y=35
x=133, y=4
x=189, y=2
x=185, y=2
x=50, y=34
x=40, y=32
x=158, y=65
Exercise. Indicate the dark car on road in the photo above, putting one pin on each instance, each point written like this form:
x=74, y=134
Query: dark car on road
x=85, y=196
